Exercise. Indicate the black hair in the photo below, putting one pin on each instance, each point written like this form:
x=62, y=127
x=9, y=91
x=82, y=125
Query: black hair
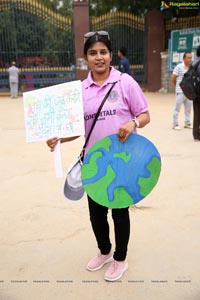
x=188, y=52
x=94, y=39
x=198, y=50
x=123, y=50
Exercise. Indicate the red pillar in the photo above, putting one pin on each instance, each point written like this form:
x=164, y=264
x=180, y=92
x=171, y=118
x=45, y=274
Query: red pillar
x=81, y=26
x=154, y=25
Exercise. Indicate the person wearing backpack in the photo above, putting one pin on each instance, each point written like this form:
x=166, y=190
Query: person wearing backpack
x=196, y=102
x=176, y=78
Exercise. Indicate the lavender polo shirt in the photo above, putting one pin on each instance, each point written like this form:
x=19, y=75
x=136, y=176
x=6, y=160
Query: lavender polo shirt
x=125, y=101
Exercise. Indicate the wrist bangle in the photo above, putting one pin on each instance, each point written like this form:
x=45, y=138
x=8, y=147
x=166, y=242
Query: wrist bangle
x=135, y=120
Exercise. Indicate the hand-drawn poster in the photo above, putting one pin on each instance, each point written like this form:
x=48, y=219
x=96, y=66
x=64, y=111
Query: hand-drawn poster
x=54, y=111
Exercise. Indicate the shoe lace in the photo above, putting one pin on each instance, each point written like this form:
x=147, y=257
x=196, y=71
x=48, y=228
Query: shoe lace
x=114, y=266
x=99, y=256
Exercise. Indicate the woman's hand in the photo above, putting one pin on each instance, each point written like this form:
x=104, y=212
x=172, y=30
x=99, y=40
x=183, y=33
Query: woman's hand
x=52, y=143
x=125, y=130
x=54, y=140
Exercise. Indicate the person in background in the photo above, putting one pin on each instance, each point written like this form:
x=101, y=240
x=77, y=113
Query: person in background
x=196, y=102
x=128, y=109
x=124, y=65
x=14, y=80
x=176, y=78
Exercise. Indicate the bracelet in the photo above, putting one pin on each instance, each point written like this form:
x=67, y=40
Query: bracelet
x=137, y=124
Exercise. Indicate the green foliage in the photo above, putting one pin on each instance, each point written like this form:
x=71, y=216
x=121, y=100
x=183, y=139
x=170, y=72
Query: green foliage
x=24, y=36
x=137, y=7
x=64, y=7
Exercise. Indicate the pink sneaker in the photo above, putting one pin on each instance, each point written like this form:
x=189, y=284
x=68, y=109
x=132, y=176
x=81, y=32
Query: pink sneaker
x=99, y=261
x=116, y=270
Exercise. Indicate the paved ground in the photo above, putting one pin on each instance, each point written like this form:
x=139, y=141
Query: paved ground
x=46, y=240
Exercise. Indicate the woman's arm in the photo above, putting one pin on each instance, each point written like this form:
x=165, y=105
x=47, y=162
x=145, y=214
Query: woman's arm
x=53, y=141
x=126, y=129
x=143, y=119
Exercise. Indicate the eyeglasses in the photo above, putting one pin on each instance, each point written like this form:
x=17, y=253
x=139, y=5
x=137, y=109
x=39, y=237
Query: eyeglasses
x=93, y=33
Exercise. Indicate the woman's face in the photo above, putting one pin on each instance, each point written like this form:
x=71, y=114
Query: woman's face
x=98, y=58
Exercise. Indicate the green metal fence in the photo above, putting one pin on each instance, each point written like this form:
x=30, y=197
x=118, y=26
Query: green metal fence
x=40, y=40
x=126, y=30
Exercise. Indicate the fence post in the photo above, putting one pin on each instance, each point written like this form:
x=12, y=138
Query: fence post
x=81, y=26
x=154, y=25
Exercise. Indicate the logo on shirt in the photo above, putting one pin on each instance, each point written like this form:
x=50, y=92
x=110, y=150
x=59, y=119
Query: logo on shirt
x=113, y=97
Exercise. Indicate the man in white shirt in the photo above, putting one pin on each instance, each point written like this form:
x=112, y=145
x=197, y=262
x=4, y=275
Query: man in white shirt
x=176, y=78
x=14, y=79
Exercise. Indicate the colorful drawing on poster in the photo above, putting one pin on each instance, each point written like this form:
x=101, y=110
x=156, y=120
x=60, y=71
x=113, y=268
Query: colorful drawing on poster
x=54, y=111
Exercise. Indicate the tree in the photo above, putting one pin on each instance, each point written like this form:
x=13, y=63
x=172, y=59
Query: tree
x=24, y=35
x=137, y=7
x=98, y=7
x=64, y=7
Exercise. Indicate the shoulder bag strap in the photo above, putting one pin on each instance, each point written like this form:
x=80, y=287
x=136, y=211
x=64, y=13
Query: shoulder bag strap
x=195, y=66
x=97, y=115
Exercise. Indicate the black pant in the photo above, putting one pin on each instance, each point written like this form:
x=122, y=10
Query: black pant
x=196, y=119
x=100, y=226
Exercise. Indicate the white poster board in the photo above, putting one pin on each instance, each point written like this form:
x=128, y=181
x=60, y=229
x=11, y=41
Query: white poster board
x=54, y=111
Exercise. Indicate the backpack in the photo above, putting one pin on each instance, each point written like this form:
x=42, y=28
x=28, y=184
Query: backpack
x=190, y=83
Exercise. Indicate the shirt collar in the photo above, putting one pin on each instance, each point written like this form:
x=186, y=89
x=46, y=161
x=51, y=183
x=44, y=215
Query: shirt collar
x=113, y=77
x=184, y=65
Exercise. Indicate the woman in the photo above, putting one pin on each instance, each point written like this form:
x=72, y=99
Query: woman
x=125, y=109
